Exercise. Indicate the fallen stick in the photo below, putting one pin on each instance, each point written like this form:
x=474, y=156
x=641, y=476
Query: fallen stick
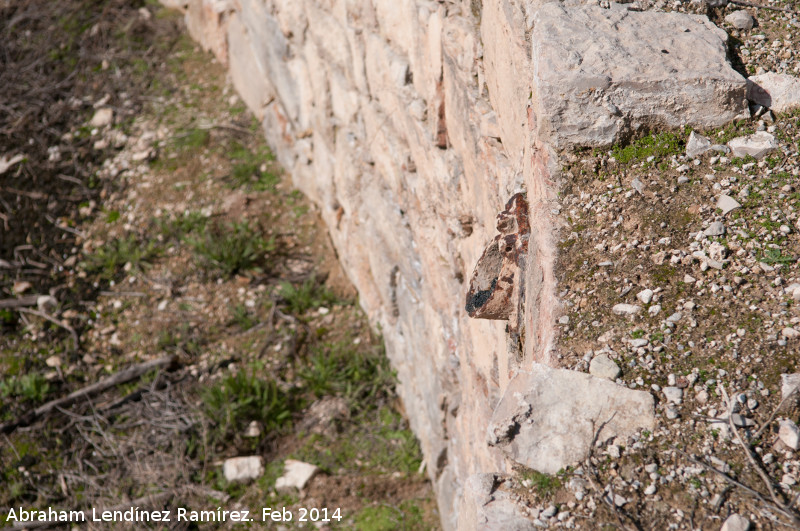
x=760, y=6
x=55, y=321
x=786, y=511
x=124, y=376
x=28, y=300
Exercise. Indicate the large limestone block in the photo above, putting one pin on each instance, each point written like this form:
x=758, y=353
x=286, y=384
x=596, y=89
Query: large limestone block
x=206, y=21
x=601, y=74
x=547, y=419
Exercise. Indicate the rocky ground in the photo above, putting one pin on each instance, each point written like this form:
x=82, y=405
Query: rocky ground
x=176, y=240
x=679, y=276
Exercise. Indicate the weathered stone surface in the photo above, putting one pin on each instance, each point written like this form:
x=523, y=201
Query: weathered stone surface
x=789, y=434
x=102, y=117
x=484, y=507
x=604, y=367
x=697, y=145
x=243, y=468
x=726, y=203
x=790, y=384
x=601, y=74
x=779, y=92
x=296, y=475
x=740, y=19
x=756, y=145
x=735, y=522
x=547, y=418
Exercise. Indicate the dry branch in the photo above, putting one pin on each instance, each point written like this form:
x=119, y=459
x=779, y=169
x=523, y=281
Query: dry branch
x=28, y=300
x=124, y=376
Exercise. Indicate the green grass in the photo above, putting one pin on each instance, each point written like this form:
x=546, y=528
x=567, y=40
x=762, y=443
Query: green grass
x=658, y=145
x=303, y=297
x=408, y=515
x=32, y=387
x=246, y=169
x=774, y=256
x=242, y=318
x=544, y=484
x=182, y=226
x=109, y=259
x=191, y=139
x=232, y=248
x=359, y=375
x=373, y=442
x=248, y=395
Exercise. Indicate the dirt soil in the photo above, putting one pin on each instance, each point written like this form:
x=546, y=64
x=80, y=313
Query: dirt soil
x=711, y=323
x=147, y=220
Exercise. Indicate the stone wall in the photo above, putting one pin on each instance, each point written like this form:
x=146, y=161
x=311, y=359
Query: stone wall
x=411, y=123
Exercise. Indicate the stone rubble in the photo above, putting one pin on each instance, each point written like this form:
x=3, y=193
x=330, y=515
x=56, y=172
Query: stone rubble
x=243, y=469
x=296, y=476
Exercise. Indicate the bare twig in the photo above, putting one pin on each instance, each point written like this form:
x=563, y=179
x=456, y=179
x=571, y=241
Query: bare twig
x=55, y=321
x=124, y=376
x=28, y=300
x=783, y=508
x=760, y=6
x=766, y=424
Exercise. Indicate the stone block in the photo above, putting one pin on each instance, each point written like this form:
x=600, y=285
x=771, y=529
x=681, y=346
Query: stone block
x=547, y=418
x=601, y=75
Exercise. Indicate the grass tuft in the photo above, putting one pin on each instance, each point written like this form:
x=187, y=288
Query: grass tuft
x=231, y=248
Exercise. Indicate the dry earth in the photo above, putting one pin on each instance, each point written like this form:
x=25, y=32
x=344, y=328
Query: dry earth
x=184, y=242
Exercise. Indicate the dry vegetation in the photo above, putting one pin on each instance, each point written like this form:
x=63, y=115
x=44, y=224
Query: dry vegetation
x=169, y=236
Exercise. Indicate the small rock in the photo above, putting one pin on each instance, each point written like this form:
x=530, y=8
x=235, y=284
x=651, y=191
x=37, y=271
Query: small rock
x=788, y=479
x=717, y=228
x=243, y=468
x=740, y=20
x=650, y=490
x=549, y=512
x=102, y=117
x=702, y=397
x=253, y=430
x=604, y=367
x=697, y=145
x=672, y=412
x=726, y=203
x=779, y=92
x=689, y=279
x=296, y=475
x=646, y=295
x=742, y=422
x=626, y=309
x=789, y=382
x=790, y=333
x=675, y=317
x=641, y=342
x=654, y=309
x=21, y=287
x=673, y=394
x=46, y=303
x=637, y=185
x=53, y=361
x=736, y=522
x=789, y=434
x=756, y=145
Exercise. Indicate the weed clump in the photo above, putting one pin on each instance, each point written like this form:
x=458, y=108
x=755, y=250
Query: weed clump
x=113, y=256
x=231, y=248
